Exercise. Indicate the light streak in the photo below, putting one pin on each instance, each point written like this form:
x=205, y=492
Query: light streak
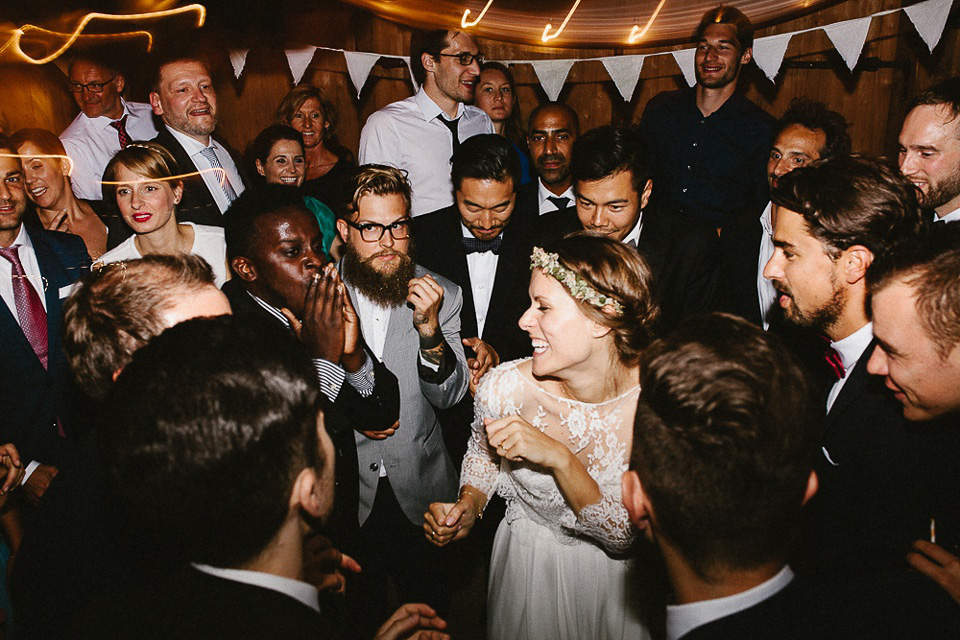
x=467, y=25
x=636, y=33
x=45, y=156
x=220, y=172
x=18, y=34
x=546, y=30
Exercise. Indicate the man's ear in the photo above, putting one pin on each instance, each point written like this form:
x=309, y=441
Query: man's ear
x=645, y=196
x=813, y=483
x=305, y=494
x=121, y=82
x=244, y=268
x=343, y=229
x=856, y=260
x=747, y=56
x=429, y=63
x=155, y=103
x=635, y=500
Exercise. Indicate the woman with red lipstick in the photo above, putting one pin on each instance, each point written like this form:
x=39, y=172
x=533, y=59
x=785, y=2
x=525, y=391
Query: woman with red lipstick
x=46, y=171
x=496, y=94
x=143, y=176
x=328, y=163
x=552, y=435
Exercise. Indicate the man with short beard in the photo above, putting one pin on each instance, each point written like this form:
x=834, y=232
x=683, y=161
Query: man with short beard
x=930, y=149
x=182, y=94
x=410, y=319
x=881, y=482
x=553, y=129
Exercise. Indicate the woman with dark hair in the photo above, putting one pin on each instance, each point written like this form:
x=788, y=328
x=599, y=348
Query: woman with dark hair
x=496, y=94
x=327, y=163
x=276, y=155
x=552, y=435
x=46, y=172
x=144, y=178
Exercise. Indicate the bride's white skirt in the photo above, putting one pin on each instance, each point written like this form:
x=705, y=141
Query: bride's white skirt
x=542, y=589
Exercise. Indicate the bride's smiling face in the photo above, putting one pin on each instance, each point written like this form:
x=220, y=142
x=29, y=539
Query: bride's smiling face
x=562, y=336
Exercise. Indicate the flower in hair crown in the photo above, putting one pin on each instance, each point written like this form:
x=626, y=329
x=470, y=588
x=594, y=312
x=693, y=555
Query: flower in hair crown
x=579, y=288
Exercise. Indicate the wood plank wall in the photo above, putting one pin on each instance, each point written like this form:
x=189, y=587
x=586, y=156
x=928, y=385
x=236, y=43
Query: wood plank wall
x=872, y=99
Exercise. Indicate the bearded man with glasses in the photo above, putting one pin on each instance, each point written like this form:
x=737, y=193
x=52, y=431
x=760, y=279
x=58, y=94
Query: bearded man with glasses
x=410, y=321
x=420, y=134
x=106, y=122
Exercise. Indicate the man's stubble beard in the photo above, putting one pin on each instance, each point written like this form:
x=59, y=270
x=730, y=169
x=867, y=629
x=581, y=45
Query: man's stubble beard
x=387, y=290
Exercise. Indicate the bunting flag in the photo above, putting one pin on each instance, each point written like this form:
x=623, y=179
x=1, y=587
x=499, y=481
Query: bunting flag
x=684, y=60
x=552, y=75
x=299, y=60
x=768, y=53
x=625, y=72
x=413, y=81
x=238, y=59
x=359, y=65
x=848, y=37
x=929, y=18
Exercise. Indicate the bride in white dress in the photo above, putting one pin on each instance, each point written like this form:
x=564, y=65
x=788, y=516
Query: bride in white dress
x=552, y=435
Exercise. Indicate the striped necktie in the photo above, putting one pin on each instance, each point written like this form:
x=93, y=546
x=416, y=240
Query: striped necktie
x=211, y=156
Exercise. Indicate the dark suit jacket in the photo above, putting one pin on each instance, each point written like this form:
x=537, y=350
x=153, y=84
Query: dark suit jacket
x=197, y=204
x=739, y=257
x=528, y=201
x=682, y=252
x=31, y=396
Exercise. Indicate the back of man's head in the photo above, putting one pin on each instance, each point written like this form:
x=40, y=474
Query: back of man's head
x=723, y=443
x=240, y=220
x=605, y=151
x=205, y=433
x=120, y=306
x=814, y=115
x=849, y=200
x=486, y=157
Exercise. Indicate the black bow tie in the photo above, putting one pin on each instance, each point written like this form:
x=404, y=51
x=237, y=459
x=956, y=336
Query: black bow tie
x=473, y=245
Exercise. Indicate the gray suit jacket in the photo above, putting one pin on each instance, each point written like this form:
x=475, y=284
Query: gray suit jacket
x=417, y=461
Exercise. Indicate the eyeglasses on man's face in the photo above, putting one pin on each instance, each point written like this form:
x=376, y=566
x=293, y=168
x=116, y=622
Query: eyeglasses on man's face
x=373, y=232
x=465, y=59
x=93, y=87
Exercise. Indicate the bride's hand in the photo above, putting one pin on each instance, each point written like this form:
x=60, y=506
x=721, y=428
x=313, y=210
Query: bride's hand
x=448, y=521
x=516, y=439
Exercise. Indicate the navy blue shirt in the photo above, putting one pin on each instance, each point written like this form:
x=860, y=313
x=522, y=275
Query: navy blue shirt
x=711, y=166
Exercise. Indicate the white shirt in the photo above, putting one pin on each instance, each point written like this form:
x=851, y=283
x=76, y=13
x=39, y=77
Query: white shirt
x=766, y=293
x=194, y=148
x=545, y=205
x=305, y=593
x=850, y=350
x=482, y=268
x=208, y=243
x=92, y=142
x=407, y=135
x=953, y=216
x=684, y=618
x=634, y=235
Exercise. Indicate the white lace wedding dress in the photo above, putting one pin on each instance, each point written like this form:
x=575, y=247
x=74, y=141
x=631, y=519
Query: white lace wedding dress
x=552, y=575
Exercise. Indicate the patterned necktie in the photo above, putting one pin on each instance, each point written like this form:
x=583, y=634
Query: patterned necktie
x=211, y=156
x=120, y=126
x=473, y=245
x=454, y=131
x=32, y=316
x=560, y=202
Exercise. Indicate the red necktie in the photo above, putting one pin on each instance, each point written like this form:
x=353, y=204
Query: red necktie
x=33, y=318
x=120, y=126
x=833, y=359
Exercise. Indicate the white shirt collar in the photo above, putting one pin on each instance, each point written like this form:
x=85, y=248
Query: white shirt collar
x=191, y=145
x=953, y=216
x=766, y=219
x=853, y=346
x=545, y=193
x=684, y=618
x=23, y=239
x=104, y=121
x=305, y=593
x=431, y=109
x=634, y=234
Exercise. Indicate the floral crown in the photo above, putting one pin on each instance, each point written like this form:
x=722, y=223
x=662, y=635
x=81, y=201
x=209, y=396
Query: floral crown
x=579, y=288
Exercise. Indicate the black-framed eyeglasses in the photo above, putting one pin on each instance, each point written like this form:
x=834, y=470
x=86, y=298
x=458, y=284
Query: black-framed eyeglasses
x=93, y=87
x=372, y=231
x=466, y=59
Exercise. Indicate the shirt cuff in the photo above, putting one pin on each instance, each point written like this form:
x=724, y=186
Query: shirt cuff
x=331, y=377
x=362, y=380
x=429, y=365
x=29, y=470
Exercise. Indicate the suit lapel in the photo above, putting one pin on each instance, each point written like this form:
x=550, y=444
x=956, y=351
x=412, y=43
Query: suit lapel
x=852, y=388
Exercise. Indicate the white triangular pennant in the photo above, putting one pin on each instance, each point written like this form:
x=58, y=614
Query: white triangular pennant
x=768, y=53
x=413, y=81
x=684, y=60
x=238, y=59
x=625, y=72
x=299, y=60
x=848, y=37
x=929, y=18
x=358, y=66
x=552, y=75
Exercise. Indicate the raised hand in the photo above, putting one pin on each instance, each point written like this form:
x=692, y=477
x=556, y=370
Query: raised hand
x=413, y=621
x=937, y=564
x=516, y=439
x=322, y=327
x=426, y=296
x=445, y=522
x=486, y=358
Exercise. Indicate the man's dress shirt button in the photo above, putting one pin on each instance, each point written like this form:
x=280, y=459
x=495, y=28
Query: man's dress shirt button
x=374, y=466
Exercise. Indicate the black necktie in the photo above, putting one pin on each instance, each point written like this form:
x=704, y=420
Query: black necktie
x=560, y=202
x=452, y=125
x=473, y=245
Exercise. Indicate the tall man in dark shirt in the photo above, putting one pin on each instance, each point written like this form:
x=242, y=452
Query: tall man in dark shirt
x=711, y=143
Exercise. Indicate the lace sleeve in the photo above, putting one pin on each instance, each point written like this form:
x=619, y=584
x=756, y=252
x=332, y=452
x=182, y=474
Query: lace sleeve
x=495, y=399
x=606, y=521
